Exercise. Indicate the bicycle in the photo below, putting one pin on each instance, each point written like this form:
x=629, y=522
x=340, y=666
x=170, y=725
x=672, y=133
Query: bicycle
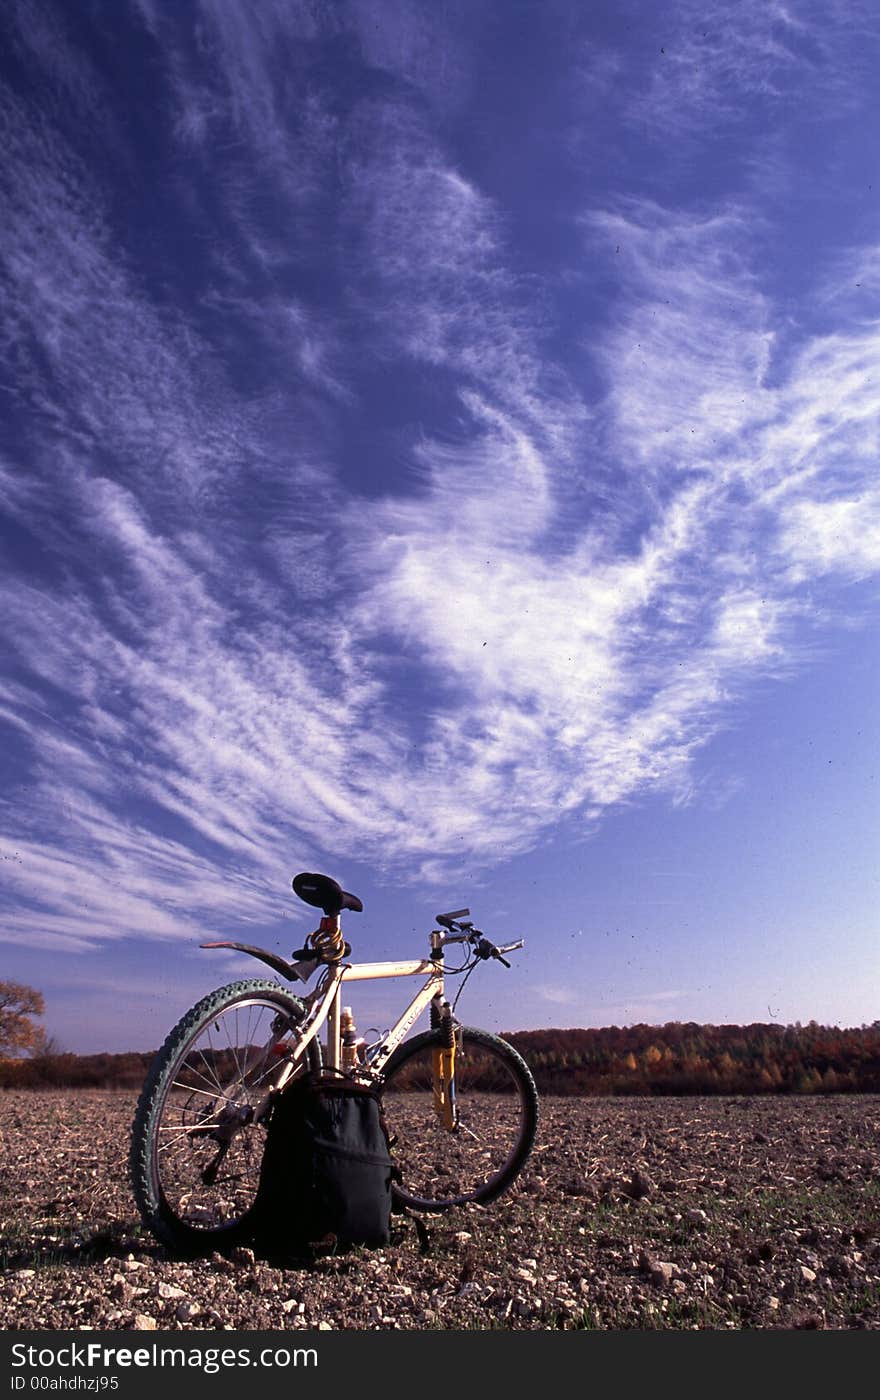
x=460, y=1103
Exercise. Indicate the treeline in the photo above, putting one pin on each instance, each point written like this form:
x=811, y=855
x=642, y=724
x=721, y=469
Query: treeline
x=103, y=1071
x=678, y=1058
x=686, y=1058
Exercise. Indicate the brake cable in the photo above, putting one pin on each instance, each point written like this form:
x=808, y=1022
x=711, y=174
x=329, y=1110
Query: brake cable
x=463, y=983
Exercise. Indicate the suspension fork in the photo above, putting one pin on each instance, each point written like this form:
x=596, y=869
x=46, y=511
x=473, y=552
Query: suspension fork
x=444, y=1056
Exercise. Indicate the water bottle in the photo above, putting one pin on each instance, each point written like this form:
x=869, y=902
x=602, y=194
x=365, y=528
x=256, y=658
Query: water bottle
x=352, y=1044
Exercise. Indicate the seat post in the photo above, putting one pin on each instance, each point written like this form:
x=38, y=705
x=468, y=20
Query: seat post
x=327, y=939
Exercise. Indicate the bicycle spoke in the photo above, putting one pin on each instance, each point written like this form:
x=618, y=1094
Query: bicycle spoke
x=463, y=1128
x=191, y=1069
x=191, y=1127
x=183, y=1136
x=191, y=1089
x=232, y=1047
x=209, y=1067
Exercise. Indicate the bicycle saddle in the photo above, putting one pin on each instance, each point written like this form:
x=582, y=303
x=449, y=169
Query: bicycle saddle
x=325, y=893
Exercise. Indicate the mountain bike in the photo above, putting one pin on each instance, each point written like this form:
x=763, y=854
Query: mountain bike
x=460, y=1103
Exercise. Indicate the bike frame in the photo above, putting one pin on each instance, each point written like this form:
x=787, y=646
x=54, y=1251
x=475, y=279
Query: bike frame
x=324, y=1007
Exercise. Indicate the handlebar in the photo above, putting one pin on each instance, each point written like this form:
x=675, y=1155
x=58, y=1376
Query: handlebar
x=481, y=945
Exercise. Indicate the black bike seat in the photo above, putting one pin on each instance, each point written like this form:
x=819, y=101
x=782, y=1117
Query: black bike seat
x=325, y=893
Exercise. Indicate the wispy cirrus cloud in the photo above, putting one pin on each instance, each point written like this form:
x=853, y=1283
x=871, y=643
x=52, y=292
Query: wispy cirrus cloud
x=433, y=276
x=840, y=535
x=228, y=646
x=718, y=60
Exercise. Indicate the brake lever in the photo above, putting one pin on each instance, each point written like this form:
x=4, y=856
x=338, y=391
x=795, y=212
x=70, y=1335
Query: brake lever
x=485, y=949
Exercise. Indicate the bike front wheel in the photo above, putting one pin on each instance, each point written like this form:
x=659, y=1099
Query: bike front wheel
x=496, y=1117
x=199, y=1131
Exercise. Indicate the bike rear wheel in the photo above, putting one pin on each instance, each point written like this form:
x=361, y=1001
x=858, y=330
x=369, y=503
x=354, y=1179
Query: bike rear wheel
x=497, y=1117
x=199, y=1130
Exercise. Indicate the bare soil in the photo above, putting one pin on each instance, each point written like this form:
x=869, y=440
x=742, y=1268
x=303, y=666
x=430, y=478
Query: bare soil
x=713, y=1213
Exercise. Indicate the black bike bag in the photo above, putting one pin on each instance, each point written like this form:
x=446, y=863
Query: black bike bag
x=327, y=1170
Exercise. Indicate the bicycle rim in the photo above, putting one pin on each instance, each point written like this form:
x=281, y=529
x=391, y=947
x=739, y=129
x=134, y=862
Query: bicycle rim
x=199, y=1133
x=496, y=1119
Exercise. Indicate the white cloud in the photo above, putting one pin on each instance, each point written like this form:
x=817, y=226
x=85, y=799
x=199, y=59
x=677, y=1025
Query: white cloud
x=647, y=1008
x=433, y=246
x=558, y=996
x=841, y=536
x=715, y=62
x=690, y=341
x=242, y=656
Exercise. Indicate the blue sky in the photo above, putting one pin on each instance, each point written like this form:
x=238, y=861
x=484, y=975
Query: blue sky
x=440, y=447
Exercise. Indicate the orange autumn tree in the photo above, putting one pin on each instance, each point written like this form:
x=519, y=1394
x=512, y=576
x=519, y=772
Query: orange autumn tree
x=18, y=1034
